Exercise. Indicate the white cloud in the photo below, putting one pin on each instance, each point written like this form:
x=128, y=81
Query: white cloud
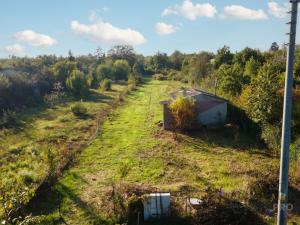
x=105, y=32
x=192, y=11
x=243, y=13
x=169, y=11
x=165, y=29
x=277, y=10
x=15, y=49
x=35, y=39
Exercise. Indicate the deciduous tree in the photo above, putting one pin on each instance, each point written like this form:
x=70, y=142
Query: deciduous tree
x=230, y=79
x=223, y=56
x=263, y=102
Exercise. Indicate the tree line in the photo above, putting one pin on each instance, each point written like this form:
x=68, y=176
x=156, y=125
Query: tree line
x=26, y=82
x=250, y=79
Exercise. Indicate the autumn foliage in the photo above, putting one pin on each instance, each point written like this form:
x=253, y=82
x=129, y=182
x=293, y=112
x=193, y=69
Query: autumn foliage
x=184, y=112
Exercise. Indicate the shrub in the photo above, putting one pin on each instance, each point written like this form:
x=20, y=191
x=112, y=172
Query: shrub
x=271, y=134
x=77, y=83
x=121, y=69
x=13, y=199
x=62, y=69
x=159, y=76
x=104, y=71
x=175, y=75
x=105, y=85
x=56, y=95
x=79, y=110
x=184, y=112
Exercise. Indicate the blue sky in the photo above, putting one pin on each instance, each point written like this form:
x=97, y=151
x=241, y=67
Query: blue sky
x=34, y=27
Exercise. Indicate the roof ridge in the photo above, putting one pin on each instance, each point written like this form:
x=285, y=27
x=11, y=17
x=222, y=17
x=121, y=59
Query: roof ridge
x=194, y=92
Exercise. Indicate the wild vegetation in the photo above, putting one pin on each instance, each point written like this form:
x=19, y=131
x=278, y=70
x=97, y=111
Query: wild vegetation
x=69, y=155
x=183, y=111
x=251, y=80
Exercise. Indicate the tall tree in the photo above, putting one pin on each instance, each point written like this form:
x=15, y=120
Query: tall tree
x=125, y=52
x=223, y=56
x=230, y=79
x=251, y=69
x=246, y=54
x=176, y=60
x=200, y=67
x=160, y=62
x=263, y=102
x=100, y=55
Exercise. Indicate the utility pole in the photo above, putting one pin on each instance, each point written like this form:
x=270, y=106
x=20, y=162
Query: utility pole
x=286, y=123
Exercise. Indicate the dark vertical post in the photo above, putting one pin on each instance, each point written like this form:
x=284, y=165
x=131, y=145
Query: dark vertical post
x=286, y=123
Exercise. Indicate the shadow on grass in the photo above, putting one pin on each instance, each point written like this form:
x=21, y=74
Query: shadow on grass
x=25, y=117
x=97, y=97
x=222, y=211
x=51, y=202
x=227, y=137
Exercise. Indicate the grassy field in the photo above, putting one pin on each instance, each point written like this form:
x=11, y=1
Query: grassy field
x=132, y=150
x=24, y=149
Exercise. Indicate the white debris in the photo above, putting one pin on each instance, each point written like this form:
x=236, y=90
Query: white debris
x=195, y=201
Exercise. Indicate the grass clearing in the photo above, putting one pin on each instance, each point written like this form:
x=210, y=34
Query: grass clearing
x=131, y=149
x=24, y=149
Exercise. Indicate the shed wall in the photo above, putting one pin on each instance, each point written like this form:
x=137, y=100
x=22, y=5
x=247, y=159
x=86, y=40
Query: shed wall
x=213, y=116
x=168, y=118
x=210, y=112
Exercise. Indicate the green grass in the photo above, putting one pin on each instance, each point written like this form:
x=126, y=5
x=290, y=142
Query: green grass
x=23, y=150
x=131, y=149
